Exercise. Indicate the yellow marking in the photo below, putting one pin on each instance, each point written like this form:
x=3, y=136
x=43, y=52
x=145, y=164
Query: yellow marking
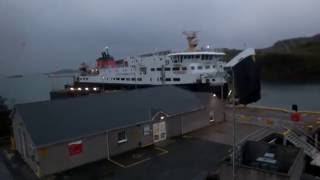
x=187, y=136
x=269, y=121
x=286, y=132
x=147, y=145
x=116, y=163
x=12, y=143
x=163, y=151
x=138, y=162
x=43, y=151
x=254, y=58
x=282, y=109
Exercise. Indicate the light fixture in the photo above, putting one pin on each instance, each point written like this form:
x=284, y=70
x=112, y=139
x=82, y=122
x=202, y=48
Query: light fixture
x=71, y=89
x=87, y=89
x=229, y=93
x=162, y=117
x=95, y=88
x=79, y=88
x=214, y=95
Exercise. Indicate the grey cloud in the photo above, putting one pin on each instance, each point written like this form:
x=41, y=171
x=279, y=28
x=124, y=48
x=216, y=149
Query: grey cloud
x=45, y=35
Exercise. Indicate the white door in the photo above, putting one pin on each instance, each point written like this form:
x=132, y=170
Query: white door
x=163, y=131
x=159, y=131
x=156, y=132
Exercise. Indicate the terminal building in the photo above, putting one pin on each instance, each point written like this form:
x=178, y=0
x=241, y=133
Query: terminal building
x=54, y=136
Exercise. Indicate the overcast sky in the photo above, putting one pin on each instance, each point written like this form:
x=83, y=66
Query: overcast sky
x=46, y=35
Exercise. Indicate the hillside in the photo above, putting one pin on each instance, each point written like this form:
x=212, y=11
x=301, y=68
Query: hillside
x=63, y=71
x=291, y=60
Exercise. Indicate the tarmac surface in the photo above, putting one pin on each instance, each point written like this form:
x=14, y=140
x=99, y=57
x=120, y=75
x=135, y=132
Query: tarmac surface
x=4, y=171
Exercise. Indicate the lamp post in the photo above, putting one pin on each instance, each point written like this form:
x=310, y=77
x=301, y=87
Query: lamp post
x=234, y=151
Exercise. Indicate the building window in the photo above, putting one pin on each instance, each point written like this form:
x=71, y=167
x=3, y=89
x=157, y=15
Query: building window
x=122, y=137
x=175, y=69
x=146, y=130
x=192, y=67
x=176, y=79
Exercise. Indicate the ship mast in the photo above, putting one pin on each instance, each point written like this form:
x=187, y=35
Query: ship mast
x=192, y=40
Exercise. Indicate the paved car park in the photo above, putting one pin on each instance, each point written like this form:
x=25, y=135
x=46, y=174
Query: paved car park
x=186, y=158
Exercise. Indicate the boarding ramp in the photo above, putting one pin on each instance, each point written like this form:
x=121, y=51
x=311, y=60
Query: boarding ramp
x=293, y=132
x=300, y=139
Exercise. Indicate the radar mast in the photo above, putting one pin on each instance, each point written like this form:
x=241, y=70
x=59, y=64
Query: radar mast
x=192, y=40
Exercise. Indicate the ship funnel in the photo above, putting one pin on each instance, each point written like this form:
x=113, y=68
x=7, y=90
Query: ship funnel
x=105, y=52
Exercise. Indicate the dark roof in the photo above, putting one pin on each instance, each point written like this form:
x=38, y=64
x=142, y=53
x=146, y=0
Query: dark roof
x=54, y=121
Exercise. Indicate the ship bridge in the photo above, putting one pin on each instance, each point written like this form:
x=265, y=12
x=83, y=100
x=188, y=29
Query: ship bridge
x=203, y=55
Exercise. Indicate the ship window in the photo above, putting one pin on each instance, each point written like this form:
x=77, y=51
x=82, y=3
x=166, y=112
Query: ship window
x=207, y=67
x=152, y=69
x=175, y=69
x=159, y=69
x=197, y=56
x=176, y=79
x=199, y=67
x=118, y=78
x=133, y=79
x=213, y=66
x=128, y=79
x=168, y=79
x=184, y=68
x=205, y=57
x=150, y=79
x=139, y=79
x=122, y=79
x=167, y=69
x=192, y=67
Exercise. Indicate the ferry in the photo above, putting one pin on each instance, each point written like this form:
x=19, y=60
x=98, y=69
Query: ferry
x=195, y=69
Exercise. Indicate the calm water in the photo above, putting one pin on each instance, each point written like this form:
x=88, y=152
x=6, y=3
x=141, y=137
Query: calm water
x=307, y=96
x=36, y=88
x=30, y=88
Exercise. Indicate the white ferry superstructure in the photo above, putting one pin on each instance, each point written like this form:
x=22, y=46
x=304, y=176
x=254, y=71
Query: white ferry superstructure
x=197, y=70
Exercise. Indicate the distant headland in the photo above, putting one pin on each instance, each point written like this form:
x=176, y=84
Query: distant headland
x=290, y=60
